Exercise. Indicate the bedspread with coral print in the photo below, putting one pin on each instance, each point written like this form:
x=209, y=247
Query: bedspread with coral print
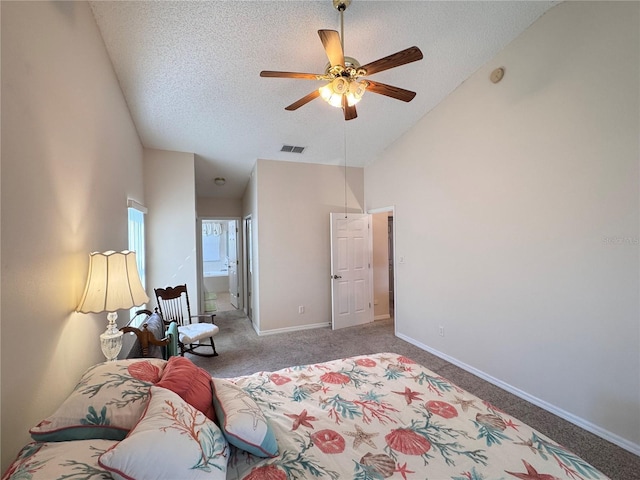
x=384, y=416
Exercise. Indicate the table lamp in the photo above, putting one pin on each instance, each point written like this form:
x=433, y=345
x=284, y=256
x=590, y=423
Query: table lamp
x=113, y=283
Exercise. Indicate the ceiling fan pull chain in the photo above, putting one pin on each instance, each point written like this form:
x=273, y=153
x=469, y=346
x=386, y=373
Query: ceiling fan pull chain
x=345, y=170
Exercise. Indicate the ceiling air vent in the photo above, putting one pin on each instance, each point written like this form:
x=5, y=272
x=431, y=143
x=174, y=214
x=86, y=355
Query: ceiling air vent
x=292, y=149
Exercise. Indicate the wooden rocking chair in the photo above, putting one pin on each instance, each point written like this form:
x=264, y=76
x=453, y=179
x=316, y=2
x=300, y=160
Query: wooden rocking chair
x=173, y=306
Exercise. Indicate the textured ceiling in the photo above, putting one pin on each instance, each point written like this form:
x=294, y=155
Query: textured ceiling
x=189, y=71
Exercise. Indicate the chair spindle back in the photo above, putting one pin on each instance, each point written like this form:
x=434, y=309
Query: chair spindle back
x=173, y=304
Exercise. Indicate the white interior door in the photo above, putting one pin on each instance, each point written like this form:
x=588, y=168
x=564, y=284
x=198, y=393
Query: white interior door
x=232, y=252
x=351, y=246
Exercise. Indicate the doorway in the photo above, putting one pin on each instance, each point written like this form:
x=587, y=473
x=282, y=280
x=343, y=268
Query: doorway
x=384, y=294
x=219, y=282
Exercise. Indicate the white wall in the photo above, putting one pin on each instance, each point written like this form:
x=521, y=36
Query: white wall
x=295, y=201
x=70, y=159
x=517, y=213
x=169, y=180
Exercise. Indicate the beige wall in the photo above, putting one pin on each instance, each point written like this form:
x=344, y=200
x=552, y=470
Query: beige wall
x=219, y=207
x=516, y=210
x=70, y=159
x=295, y=200
x=169, y=179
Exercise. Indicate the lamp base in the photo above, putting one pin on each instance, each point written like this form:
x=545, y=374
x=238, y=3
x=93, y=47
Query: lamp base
x=111, y=339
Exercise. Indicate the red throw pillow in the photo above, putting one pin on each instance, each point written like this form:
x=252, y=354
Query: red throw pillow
x=192, y=383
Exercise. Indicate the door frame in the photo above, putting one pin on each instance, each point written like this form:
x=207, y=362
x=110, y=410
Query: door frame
x=392, y=210
x=248, y=256
x=199, y=271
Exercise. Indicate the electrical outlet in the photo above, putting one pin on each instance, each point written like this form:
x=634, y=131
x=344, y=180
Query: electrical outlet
x=441, y=330
x=301, y=309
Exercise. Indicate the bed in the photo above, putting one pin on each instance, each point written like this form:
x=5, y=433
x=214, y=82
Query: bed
x=364, y=418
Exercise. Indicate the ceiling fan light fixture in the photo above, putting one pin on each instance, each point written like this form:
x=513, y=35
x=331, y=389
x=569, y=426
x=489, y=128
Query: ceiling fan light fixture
x=329, y=95
x=344, y=88
x=333, y=91
x=356, y=91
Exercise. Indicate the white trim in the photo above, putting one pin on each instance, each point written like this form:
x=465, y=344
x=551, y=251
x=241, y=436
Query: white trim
x=136, y=205
x=580, y=422
x=390, y=208
x=385, y=316
x=292, y=329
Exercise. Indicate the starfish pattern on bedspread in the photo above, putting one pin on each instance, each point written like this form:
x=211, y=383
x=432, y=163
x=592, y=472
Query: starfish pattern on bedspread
x=381, y=416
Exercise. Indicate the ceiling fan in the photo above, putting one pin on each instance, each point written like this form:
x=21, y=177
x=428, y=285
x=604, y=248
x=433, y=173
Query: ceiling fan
x=345, y=76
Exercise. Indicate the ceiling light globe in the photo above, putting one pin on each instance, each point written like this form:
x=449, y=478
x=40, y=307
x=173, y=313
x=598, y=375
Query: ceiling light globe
x=340, y=85
x=335, y=100
x=352, y=99
x=326, y=92
x=357, y=89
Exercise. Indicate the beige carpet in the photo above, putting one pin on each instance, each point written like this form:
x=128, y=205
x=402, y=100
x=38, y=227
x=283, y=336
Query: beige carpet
x=242, y=351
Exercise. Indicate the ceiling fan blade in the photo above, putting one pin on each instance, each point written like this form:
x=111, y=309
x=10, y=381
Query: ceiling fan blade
x=305, y=76
x=408, y=55
x=390, y=91
x=332, y=46
x=349, y=111
x=303, y=101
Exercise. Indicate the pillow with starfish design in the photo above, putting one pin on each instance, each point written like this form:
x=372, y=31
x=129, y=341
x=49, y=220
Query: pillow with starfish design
x=241, y=420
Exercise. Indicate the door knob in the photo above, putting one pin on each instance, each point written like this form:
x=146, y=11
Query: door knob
x=335, y=277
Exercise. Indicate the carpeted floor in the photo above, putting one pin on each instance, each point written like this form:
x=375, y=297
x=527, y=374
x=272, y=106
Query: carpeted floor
x=242, y=351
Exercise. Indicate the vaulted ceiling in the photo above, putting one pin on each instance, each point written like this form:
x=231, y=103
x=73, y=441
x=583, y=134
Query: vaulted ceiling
x=189, y=71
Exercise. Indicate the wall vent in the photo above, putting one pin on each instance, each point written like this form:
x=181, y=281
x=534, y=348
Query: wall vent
x=292, y=149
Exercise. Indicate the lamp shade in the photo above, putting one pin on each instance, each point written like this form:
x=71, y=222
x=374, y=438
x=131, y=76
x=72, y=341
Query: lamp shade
x=113, y=283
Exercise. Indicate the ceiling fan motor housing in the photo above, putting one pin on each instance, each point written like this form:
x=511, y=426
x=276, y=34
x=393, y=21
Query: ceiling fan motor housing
x=350, y=69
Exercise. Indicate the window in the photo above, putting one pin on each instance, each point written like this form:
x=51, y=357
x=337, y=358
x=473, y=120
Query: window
x=136, y=241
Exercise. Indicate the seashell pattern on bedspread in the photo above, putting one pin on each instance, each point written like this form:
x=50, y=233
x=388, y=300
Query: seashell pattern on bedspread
x=385, y=416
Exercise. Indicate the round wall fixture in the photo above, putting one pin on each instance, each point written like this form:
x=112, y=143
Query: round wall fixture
x=497, y=75
x=219, y=181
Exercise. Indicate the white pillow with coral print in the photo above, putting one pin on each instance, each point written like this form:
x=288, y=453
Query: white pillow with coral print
x=172, y=440
x=73, y=459
x=106, y=403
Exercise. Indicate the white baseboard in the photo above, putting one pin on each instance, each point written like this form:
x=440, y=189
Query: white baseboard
x=292, y=329
x=386, y=316
x=580, y=422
